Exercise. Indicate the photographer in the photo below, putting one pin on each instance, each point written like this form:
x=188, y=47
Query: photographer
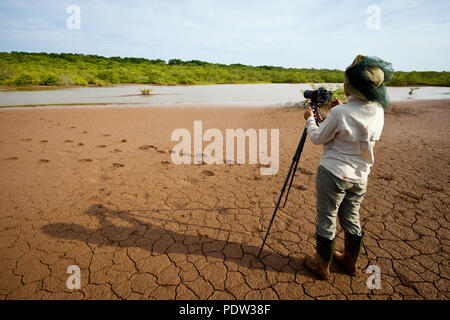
x=348, y=134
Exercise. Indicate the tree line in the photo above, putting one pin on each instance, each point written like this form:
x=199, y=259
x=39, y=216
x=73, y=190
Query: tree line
x=67, y=69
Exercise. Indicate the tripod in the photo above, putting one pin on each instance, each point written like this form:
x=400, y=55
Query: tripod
x=292, y=169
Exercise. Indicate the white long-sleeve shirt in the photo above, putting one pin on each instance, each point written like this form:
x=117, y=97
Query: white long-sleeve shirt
x=348, y=134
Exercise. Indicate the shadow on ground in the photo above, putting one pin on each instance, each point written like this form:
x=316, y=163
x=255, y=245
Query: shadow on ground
x=156, y=239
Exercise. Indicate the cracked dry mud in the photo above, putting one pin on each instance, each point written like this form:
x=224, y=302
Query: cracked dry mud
x=149, y=229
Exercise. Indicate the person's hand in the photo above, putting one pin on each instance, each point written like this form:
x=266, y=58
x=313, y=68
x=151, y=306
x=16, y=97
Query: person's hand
x=335, y=103
x=308, y=113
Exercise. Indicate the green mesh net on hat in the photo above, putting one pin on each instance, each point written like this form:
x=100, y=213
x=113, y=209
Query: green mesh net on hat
x=365, y=79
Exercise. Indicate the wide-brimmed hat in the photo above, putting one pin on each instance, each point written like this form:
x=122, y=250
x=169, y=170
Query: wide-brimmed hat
x=365, y=79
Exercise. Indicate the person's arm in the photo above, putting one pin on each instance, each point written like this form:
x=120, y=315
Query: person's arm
x=327, y=130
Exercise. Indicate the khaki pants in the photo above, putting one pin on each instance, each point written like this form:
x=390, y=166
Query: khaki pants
x=336, y=197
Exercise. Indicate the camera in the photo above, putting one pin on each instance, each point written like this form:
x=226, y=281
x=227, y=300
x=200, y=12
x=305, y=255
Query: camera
x=320, y=95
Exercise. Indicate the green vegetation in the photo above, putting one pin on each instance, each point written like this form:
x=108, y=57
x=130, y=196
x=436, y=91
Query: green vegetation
x=411, y=90
x=145, y=91
x=50, y=69
x=430, y=78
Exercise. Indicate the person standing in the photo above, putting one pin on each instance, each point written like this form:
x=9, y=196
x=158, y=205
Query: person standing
x=348, y=136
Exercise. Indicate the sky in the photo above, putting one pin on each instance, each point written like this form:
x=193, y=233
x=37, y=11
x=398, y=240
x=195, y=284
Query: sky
x=411, y=34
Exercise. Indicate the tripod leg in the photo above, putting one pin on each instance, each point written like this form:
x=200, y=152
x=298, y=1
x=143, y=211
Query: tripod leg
x=275, y=211
x=293, y=163
x=302, y=143
x=290, y=183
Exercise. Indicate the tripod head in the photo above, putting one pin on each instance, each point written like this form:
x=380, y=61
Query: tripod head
x=318, y=116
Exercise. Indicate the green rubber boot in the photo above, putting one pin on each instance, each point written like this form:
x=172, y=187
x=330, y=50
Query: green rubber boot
x=319, y=264
x=349, y=259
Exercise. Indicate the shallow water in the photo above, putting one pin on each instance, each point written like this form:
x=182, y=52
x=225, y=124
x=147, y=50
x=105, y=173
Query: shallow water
x=229, y=94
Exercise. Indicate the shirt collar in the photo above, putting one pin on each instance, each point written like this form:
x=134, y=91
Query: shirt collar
x=353, y=98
